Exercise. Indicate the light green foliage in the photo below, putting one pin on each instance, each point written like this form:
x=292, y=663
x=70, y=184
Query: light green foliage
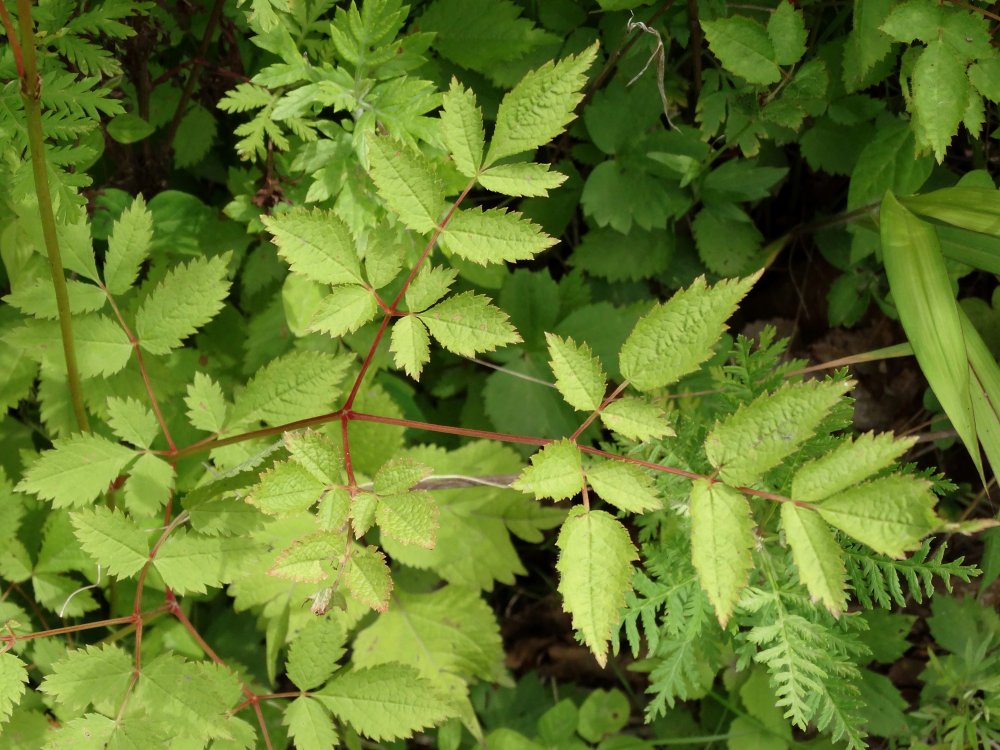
x=132, y=421
x=406, y=183
x=636, y=419
x=556, y=471
x=344, y=311
x=128, y=246
x=817, y=555
x=113, y=540
x=288, y=487
x=317, y=245
x=315, y=653
x=539, y=107
x=13, y=677
x=206, y=404
x=595, y=569
x=756, y=438
x=384, y=701
x=430, y=285
x=493, y=236
x=722, y=536
x=408, y=518
x=368, y=577
x=76, y=470
x=462, y=128
x=847, y=464
x=309, y=725
x=97, y=675
x=399, y=475
x=521, y=179
x=410, y=344
x=677, y=336
x=579, y=375
x=744, y=47
x=890, y=514
x=189, y=297
x=625, y=486
x=468, y=324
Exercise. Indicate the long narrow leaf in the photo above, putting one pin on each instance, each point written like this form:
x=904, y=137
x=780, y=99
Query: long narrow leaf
x=927, y=309
x=985, y=387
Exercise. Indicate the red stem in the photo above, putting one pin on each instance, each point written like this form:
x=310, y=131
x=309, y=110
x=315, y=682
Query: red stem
x=603, y=405
x=11, y=638
x=15, y=45
x=368, y=360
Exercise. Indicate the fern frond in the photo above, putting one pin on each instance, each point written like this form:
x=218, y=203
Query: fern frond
x=244, y=97
x=88, y=57
x=879, y=581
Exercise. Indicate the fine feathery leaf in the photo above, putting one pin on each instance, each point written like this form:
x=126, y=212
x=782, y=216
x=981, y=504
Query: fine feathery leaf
x=677, y=336
x=538, y=108
x=595, y=573
x=188, y=297
x=76, y=470
x=722, y=538
x=468, y=324
x=579, y=375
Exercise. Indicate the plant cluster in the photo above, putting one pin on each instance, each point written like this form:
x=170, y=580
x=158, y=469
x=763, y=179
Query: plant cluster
x=272, y=451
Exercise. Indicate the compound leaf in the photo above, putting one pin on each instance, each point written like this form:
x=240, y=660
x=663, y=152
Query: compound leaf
x=595, y=573
x=722, y=538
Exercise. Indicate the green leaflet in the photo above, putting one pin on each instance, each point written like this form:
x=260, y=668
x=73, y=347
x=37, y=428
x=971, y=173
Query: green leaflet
x=755, y=439
x=97, y=675
x=317, y=245
x=13, y=677
x=430, y=285
x=521, y=179
x=76, y=470
x=189, y=296
x=315, y=652
x=132, y=421
x=787, y=31
x=890, y=514
x=368, y=577
x=206, y=404
x=410, y=344
x=493, y=236
x=128, y=246
x=384, y=702
x=744, y=48
x=927, y=310
x=722, y=537
x=940, y=93
x=538, y=108
x=344, y=311
x=309, y=725
x=196, y=562
x=595, y=573
x=317, y=454
x=847, y=464
x=556, y=471
x=363, y=507
x=286, y=488
x=406, y=183
x=290, y=387
x=113, y=541
x=399, y=475
x=311, y=558
x=579, y=375
x=817, y=555
x=39, y=300
x=636, y=419
x=462, y=128
x=624, y=485
x=468, y=324
x=677, y=336
x=408, y=518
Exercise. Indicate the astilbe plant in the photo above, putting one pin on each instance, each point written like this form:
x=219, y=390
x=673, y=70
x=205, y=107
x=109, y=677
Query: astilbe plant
x=362, y=559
